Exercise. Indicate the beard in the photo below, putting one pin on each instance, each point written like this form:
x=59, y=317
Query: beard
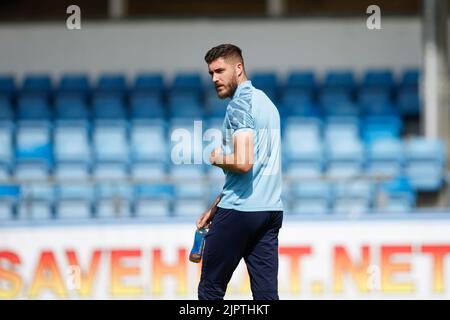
x=227, y=90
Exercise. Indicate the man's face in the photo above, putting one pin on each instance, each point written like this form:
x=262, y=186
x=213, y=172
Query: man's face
x=224, y=76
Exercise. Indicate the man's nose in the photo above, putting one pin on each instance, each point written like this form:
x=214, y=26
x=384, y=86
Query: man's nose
x=215, y=78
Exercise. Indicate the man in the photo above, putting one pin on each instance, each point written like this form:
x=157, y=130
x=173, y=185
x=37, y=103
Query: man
x=245, y=218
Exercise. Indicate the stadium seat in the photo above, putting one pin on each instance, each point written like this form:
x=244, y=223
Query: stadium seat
x=72, y=141
x=74, y=201
x=9, y=196
x=345, y=158
x=110, y=170
x=396, y=195
x=147, y=105
x=312, y=197
x=36, y=202
x=267, y=82
x=6, y=109
x=113, y=200
x=424, y=163
x=381, y=127
x=34, y=155
x=7, y=86
x=37, y=83
x=301, y=80
x=148, y=141
x=33, y=106
x=71, y=106
x=108, y=105
x=408, y=101
x=74, y=83
x=353, y=197
x=6, y=141
x=153, y=200
x=385, y=158
x=340, y=79
x=379, y=78
x=112, y=83
x=110, y=142
x=410, y=78
x=149, y=83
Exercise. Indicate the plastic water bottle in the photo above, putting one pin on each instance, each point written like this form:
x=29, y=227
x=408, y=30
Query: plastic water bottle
x=199, y=243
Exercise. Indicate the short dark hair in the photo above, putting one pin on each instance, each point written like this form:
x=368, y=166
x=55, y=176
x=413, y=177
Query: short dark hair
x=224, y=51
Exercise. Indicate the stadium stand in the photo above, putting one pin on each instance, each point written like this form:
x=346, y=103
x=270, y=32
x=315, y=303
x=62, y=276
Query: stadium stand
x=85, y=149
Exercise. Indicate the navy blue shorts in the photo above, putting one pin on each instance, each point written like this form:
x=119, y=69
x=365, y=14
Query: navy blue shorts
x=234, y=235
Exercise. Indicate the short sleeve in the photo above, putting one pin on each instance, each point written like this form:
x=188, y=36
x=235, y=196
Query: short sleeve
x=239, y=115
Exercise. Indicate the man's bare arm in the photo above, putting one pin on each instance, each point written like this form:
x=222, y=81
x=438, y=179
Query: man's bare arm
x=241, y=160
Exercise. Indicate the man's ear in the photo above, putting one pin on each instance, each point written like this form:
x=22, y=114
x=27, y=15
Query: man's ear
x=239, y=68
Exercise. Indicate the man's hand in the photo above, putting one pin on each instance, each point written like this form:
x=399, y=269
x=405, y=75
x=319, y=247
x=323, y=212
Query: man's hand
x=206, y=218
x=216, y=157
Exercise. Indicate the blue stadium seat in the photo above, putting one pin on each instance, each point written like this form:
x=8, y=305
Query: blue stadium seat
x=408, y=101
x=149, y=170
x=108, y=105
x=304, y=130
x=41, y=83
x=396, y=195
x=33, y=107
x=380, y=78
x=71, y=106
x=36, y=202
x=340, y=78
x=110, y=141
x=149, y=82
x=379, y=109
x=74, y=201
x=147, y=105
x=424, y=163
x=297, y=102
x=9, y=196
x=381, y=127
x=153, y=200
x=353, y=197
x=385, y=158
x=72, y=170
x=72, y=142
x=345, y=158
x=267, y=82
x=110, y=170
x=6, y=141
x=187, y=83
x=410, y=78
x=299, y=169
x=312, y=197
x=6, y=110
x=148, y=142
x=373, y=95
x=341, y=128
x=112, y=82
x=301, y=80
x=74, y=83
x=334, y=96
x=7, y=86
x=342, y=109
x=34, y=155
x=113, y=200
x=185, y=105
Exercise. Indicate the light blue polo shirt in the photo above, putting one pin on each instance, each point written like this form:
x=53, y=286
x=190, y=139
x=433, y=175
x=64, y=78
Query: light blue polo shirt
x=260, y=188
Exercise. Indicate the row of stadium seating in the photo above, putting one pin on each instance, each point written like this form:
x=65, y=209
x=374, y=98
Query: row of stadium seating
x=80, y=201
x=188, y=96
x=118, y=149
